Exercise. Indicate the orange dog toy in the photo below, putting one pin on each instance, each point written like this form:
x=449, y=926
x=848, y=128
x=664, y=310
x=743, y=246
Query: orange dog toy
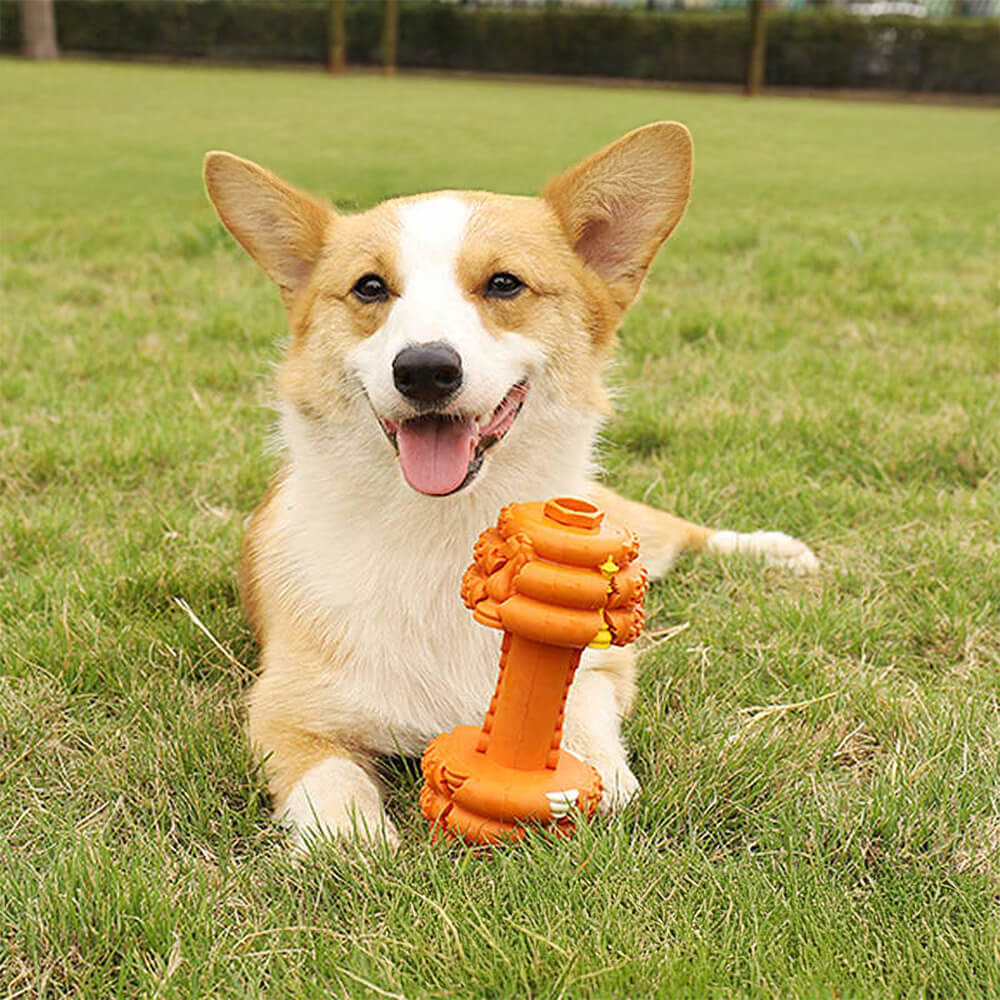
x=556, y=577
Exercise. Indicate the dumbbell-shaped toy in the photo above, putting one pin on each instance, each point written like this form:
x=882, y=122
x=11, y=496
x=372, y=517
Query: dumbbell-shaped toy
x=556, y=577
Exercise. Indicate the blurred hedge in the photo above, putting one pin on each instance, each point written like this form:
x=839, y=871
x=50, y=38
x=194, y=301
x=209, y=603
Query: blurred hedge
x=805, y=49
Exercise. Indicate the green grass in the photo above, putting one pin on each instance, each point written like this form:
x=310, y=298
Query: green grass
x=818, y=351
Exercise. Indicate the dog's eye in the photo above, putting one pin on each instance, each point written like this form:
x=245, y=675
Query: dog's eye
x=503, y=285
x=370, y=288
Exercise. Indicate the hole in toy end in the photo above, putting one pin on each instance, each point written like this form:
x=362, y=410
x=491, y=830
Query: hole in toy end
x=574, y=512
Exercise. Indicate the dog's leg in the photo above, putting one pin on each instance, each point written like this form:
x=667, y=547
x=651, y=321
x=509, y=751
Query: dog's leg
x=319, y=787
x=600, y=696
x=324, y=797
x=665, y=537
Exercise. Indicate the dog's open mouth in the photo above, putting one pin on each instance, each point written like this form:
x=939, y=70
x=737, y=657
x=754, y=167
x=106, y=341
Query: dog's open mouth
x=440, y=453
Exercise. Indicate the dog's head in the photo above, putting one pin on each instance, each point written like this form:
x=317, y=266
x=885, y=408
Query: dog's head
x=434, y=321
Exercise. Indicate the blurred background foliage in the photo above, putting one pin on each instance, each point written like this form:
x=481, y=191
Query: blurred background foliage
x=886, y=44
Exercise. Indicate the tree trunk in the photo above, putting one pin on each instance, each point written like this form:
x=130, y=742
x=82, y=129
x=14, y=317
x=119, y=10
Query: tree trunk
x=337, y=56
x=38, y=29
x=758, y=47
x=390, y=36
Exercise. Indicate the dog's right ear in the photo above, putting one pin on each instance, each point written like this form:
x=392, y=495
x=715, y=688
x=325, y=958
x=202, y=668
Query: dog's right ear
x=281, y=227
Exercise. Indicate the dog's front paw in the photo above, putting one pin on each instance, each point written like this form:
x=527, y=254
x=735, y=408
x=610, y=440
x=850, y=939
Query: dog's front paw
x=775, y=547
x=619, y=785
x=336, y=800
x=370, y=830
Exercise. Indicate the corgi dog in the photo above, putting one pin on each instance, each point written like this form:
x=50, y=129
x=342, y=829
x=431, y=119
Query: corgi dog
x=446, y=358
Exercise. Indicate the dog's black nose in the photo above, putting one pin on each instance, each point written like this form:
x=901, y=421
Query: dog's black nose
x=427, y=373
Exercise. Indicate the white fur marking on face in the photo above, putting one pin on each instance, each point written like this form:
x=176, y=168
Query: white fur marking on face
x=432, y=306
x=431, y=234
x=336, y=798
x=777, y=549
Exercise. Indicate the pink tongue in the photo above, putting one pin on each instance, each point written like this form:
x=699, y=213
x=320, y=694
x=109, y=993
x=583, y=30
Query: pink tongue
x=435, y=453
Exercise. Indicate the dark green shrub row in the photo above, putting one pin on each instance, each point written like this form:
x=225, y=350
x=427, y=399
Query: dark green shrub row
x=214, y=29
x=903, y=53
x=804, y=49
x=225, y=30
x=609, y=42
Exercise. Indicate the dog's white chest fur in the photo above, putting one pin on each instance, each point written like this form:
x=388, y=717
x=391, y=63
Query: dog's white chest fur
x=421, y=666
x=379, y=569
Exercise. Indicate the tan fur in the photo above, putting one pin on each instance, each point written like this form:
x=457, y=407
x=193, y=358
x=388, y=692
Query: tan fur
x=250, y=569
x=664, y=536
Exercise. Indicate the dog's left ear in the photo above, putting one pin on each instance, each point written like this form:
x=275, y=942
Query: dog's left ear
x=619, y=205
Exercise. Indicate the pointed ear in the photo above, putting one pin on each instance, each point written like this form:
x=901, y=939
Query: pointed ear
x=282, y=228
x=620, y=204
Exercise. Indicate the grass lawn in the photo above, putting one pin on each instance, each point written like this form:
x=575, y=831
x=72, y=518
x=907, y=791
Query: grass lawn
x=817, y=351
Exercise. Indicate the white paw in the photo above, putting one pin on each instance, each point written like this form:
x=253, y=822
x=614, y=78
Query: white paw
x=336, y=800
x=620, y=785
x=775, y=547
